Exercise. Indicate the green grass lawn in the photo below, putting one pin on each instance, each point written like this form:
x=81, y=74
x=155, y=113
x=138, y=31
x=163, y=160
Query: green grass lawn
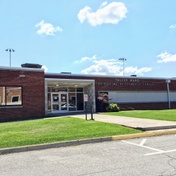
x=169, y=115
x=14, y=134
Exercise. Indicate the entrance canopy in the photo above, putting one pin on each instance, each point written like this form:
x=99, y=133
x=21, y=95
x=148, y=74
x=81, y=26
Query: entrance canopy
x=68, y=82
x=67, y=95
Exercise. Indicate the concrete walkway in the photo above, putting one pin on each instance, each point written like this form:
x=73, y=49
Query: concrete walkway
x=144, y=124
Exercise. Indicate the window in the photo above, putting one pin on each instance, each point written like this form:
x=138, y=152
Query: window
x=72, y=101
x=10, y=96
x=79, y=89
x=15, y=99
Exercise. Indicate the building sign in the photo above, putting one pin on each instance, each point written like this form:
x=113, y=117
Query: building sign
x=127, y=83
x=85, y=98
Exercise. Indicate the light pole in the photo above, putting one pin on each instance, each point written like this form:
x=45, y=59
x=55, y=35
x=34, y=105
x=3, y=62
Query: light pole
x=10, y=50
x=123, y=60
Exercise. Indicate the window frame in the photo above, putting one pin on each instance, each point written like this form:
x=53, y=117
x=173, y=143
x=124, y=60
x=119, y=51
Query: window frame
x=4, y=96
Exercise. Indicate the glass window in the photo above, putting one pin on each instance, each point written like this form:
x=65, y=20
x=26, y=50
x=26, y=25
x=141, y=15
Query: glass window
x=79, y=89
x=55, y=89
x=63, y=89
x=49, y=102
x=59, y=89
x=49, y=89
x=15, y=99
x=2, y=95
x=72, y=101
x=71, y=89
x=80, y=101
x=11, y=95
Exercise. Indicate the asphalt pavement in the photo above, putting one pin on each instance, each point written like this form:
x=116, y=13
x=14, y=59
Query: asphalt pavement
x=154, y=156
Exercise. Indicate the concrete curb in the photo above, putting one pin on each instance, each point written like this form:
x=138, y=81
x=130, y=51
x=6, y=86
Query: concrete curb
x=85, y=141
x=145, y=134
x=53, y=145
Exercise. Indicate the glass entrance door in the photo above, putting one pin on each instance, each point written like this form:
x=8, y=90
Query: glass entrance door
x=59, y=102
x=63, y=102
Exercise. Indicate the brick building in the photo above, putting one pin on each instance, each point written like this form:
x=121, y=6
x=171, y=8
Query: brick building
x=21, y=93
x=31, y=93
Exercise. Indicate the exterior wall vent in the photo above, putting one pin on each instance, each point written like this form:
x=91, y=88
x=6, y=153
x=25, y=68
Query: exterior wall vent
x=30, y=65
x=65, y=73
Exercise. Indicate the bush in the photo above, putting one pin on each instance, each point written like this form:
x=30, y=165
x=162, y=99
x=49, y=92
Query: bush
x=122, y=109
x=130, y=108
x=113, y=108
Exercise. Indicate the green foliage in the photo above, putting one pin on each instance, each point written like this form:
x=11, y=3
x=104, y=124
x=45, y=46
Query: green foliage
x=168, y=115
x=126, y=109
x=130, y=109
x=122, y=109
x=113, y=108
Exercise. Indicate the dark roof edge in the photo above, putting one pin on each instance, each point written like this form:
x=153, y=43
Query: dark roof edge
x=21, y=69
x=107, y=76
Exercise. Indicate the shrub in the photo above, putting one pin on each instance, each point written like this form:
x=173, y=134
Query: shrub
x=130, y=108
x=122, y=109
x=113, y=108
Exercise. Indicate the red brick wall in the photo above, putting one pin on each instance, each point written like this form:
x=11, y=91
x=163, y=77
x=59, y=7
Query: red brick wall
x=32, y=83
x=121, y=83
x=128, y=84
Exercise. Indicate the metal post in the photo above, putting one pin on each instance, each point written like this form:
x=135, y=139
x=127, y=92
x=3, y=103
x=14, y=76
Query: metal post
x=10, y=50
x=123, y=60
x=86, y=110
x=92, y=112
x=168, y=93
x=10, y=57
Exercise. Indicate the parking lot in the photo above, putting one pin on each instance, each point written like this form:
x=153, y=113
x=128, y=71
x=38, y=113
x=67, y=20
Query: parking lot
x=155, y=147
x=153, y=156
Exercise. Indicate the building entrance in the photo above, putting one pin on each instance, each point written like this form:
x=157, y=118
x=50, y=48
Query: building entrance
x=59, y=102
x=67, y=95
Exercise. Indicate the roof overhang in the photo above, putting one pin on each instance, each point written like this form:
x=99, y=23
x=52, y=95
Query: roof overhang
x=68, y=82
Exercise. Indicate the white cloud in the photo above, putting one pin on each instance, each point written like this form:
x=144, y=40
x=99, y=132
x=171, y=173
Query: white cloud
x=173, y=26
x=45, y=68
x=103, y=67
x=103, y=4
x=47, y=28
x=94, y=57
x=136, y=70
x=107, y=13
x=88, y=58
x=112, y=67
x=166, y=57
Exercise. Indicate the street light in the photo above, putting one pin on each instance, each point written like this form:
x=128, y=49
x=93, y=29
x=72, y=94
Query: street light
x=123, y=60
x=10, y=50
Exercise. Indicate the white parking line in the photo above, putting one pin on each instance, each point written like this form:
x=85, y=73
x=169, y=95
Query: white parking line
x=139, y=145
x=142, y=142
x=161, y=152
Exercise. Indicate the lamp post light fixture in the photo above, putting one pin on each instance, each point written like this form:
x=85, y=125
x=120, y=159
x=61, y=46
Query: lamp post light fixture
x=10, y=50
x=123, y=60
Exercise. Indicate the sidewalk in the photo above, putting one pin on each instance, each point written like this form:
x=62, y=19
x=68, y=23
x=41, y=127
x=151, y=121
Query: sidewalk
x=137, y=123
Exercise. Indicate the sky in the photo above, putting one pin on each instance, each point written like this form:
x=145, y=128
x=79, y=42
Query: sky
x=119, y=38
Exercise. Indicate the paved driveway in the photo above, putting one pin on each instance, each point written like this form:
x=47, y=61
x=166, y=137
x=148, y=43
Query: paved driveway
x=154, y=156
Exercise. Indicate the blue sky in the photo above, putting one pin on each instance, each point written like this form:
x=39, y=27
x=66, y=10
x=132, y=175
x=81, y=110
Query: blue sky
x=89, y=37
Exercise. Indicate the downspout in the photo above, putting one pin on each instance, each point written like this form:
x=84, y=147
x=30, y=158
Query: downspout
x=168, y=93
